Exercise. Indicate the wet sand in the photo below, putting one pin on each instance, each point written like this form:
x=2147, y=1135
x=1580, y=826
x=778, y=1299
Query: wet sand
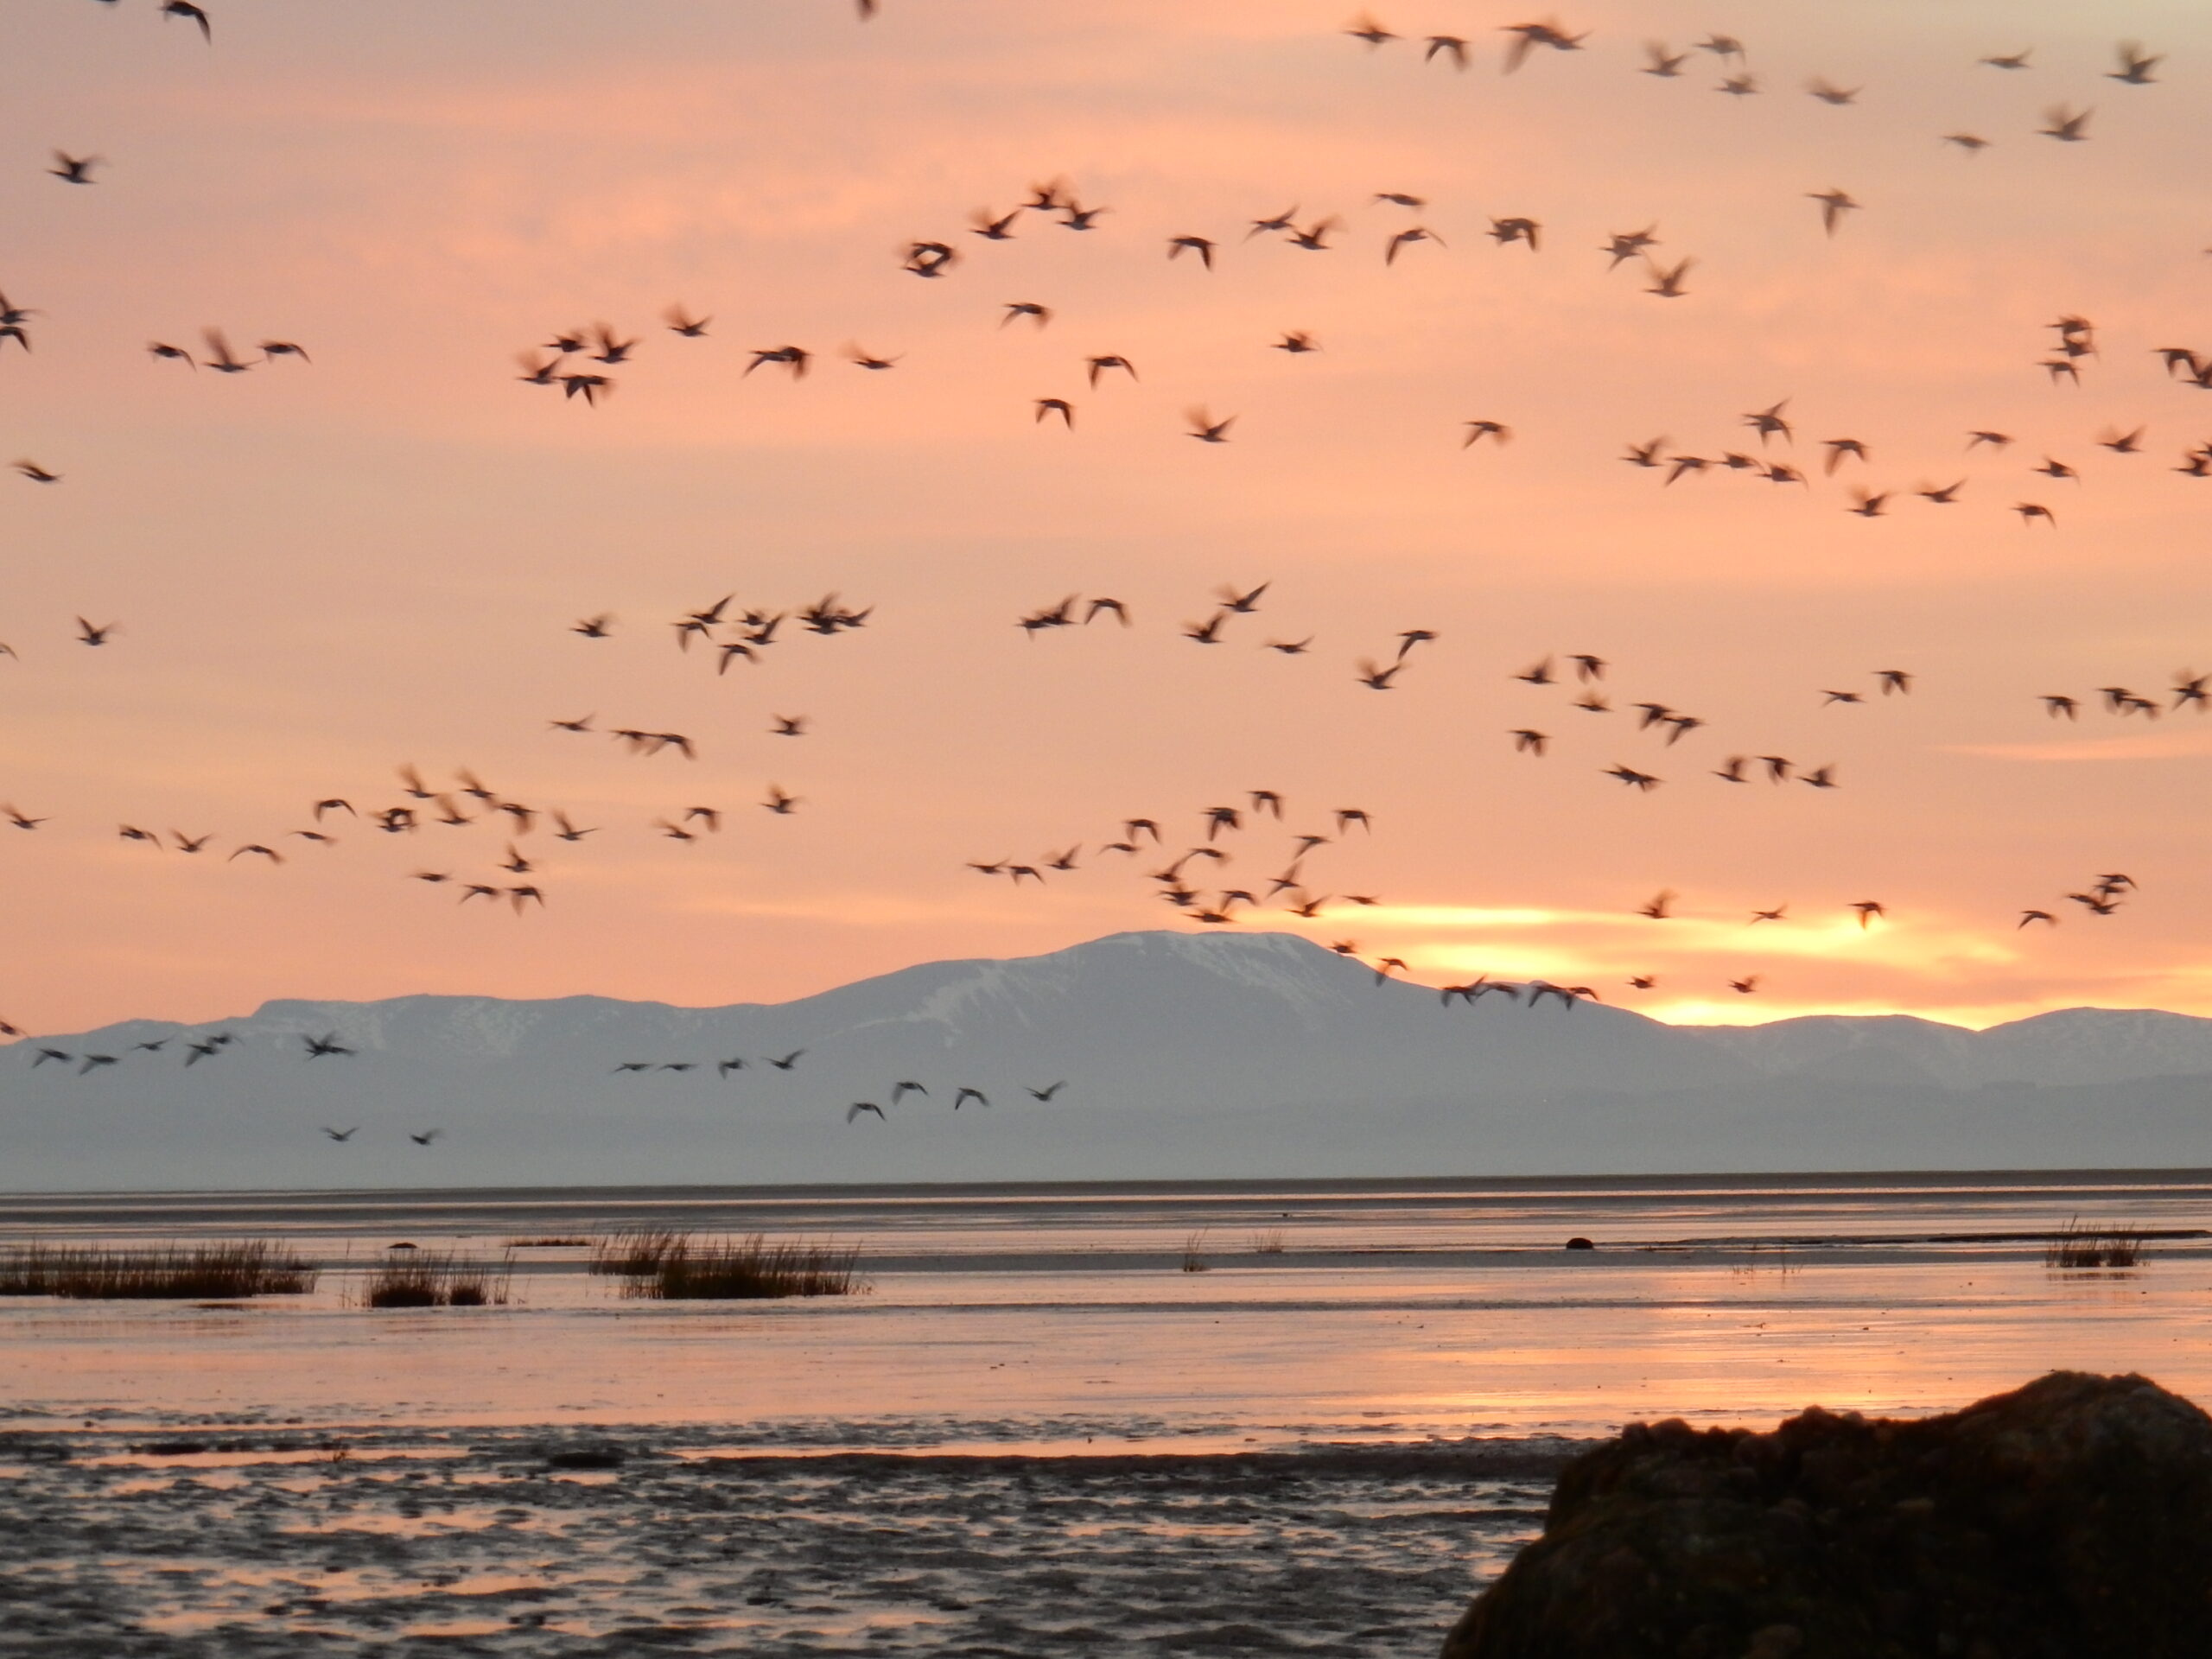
x=384, y=1544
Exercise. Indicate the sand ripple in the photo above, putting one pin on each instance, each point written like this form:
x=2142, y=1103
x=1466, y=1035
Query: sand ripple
x=479, y=1544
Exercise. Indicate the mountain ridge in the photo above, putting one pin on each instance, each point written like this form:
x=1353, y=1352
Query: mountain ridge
x=1180, y=1054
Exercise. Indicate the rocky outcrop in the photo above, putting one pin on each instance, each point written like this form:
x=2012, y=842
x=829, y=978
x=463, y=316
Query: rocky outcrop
x=2070, y=1519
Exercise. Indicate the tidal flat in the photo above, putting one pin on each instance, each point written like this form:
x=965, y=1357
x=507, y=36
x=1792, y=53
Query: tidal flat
x=1308, y=1417
x=316, y=1544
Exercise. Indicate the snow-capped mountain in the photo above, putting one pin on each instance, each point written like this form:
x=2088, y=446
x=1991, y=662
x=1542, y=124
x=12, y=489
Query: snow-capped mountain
x=1214, y=1055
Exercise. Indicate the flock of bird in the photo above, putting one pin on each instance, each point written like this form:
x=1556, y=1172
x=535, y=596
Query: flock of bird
x=195, y=1046
x=578, y=361
x=467, y=800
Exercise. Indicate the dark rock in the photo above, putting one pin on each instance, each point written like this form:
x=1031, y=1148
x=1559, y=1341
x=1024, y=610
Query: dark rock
x=1578, y=1242
x=2070, y=1519
x=588, y=1457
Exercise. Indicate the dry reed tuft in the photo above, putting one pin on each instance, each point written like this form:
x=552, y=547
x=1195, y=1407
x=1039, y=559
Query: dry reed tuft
x=2075, y=1247
x=636, y=1252
x=1194, y=1259
x=436, y=1279
x=670, y=1266
x=1269, y=1242
x=184, y=1273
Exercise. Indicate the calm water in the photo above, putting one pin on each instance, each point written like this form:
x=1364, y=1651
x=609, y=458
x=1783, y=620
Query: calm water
x=1062, y=1316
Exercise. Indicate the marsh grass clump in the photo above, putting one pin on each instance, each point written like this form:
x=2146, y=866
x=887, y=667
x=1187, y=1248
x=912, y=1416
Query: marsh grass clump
x=1194, y=1246
x=182, y=1273
x=2076, y=1249
x=436, y=1279
x=636, y=1252
x=1269, y=1242
x=669, y=1266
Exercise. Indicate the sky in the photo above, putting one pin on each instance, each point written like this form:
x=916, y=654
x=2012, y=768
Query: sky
x=320, y=572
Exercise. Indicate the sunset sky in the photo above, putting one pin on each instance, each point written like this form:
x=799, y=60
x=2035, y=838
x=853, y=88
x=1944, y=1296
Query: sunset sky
x=321, y=572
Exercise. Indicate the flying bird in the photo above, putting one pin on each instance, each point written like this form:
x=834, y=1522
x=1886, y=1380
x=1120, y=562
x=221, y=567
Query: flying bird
x=1666, y=280
x=1406, y=238
x=1835, y=203
x=2134, y=66
x=186, y=8
x=1527, y=37
x=2065, y=125
x=1205, y=428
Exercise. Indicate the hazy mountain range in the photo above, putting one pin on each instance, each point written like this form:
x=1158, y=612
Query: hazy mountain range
x=1209, y=1056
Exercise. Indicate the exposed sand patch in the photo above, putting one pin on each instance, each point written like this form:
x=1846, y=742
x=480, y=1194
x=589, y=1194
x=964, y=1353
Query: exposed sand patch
x=483, y=1549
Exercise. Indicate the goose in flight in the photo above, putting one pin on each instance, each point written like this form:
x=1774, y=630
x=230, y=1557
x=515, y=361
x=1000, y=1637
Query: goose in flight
x=1205, y=428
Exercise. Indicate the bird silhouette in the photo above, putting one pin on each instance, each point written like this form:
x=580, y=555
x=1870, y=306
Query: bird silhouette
x=186, y=8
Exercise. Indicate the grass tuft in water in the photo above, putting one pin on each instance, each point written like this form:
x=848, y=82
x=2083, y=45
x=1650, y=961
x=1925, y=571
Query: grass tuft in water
x=436, y=1279
x=2075, y=1247
x=1194, y=1244
x=670, y=1266
x=183, y=1273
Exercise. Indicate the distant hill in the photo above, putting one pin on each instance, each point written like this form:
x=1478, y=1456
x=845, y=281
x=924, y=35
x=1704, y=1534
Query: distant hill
x=1203, y=1056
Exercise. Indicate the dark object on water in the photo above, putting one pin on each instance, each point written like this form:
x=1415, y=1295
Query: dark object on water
x=2070, y=1519
x=586, y=1457
x=1578, y=1242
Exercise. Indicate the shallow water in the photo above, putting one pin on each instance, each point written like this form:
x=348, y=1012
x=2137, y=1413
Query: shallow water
x=1034, y=1432
x=1390, y=1309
